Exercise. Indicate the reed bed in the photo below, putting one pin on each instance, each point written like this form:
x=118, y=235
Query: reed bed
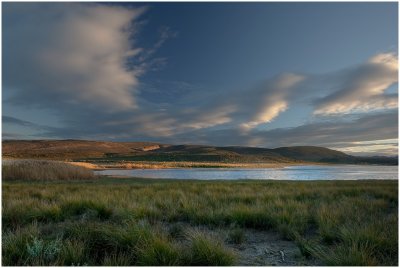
x=44, y=170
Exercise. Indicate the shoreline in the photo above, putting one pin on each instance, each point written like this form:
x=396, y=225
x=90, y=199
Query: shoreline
x=124, y=165
x=185, y=165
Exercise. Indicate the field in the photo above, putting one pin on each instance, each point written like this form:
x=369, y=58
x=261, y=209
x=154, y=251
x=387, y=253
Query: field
x=109, y=221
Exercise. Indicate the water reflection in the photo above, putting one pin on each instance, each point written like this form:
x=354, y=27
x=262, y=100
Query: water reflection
x=337, y=172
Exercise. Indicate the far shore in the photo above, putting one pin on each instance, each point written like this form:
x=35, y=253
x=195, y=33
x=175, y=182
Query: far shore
x=175, y=164
x=169, y=165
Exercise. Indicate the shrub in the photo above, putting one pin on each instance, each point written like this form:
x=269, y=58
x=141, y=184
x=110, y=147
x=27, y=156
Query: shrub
x=42, y=252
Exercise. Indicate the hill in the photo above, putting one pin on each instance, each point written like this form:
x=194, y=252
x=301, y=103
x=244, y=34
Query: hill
x=314, y=154
x=72, y=149
x=149, y=151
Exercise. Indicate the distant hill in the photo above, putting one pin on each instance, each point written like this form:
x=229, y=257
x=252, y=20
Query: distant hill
x=72, y=149
x=314, y=154
x=149, y=151
x=219, y=154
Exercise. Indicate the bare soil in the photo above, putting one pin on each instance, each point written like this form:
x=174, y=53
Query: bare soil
x=259, y=248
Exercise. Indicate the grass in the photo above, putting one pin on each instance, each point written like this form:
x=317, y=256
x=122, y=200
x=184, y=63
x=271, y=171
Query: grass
x=237, y=236
x=44, y=170
x=141, y=222
x=205, y=251
x=106, y=163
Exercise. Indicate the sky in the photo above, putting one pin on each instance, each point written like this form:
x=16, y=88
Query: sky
x=243, y=74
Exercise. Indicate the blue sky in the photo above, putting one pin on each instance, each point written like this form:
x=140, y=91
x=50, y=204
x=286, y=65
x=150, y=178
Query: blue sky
x=253, y=74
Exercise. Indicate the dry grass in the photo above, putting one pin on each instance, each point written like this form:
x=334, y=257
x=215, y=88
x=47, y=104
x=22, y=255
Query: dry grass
x=44, y=170
x=182, y=164
x=85, y=165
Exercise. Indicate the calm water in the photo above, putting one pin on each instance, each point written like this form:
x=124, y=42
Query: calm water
x=337, y=172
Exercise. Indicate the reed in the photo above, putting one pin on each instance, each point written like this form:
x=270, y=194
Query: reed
x=44, y=170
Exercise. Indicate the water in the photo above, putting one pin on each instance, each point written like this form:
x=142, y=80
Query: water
x=336, y=172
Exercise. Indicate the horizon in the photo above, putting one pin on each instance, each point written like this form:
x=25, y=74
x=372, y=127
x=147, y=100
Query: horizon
x=264, y=75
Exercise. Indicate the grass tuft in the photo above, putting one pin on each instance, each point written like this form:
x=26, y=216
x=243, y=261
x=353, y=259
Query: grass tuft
x=207, y=251
x=237, y=236
x=159, y=252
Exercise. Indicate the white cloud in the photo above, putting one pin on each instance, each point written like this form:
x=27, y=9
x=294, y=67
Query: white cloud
x=217, y=116
x=271, y=101
x=383, y=147
x=70, y=53
x=363, y=88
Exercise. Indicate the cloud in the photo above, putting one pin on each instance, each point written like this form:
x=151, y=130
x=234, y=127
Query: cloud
x=11, y=136
x=270, y=100
x=23, y=123
x=369, y=130
x=244, y=110
x=356, y=89
x=327, y=133
x=363, y=88
x=165, y=33
x=384, y=147
x=16, y=121
x=69, y=54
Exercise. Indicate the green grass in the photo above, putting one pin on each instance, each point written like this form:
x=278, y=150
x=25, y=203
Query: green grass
x=120, y=221
x=237, y=236
x=205, y=251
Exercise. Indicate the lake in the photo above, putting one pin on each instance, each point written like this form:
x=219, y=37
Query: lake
x=333, y=172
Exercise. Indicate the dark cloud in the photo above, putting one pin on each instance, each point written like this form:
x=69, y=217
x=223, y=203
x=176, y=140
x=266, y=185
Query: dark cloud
x=15, y=121
x=12, y=136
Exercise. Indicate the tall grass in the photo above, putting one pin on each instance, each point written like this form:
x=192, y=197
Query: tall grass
x=110, y=244
x=44, y=170
x=109, y=221
x=205, y=250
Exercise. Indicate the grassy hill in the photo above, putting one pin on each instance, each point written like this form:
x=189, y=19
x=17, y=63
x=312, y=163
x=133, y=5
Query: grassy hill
x=148, y=151
x=72, y=149
x=314, y=154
